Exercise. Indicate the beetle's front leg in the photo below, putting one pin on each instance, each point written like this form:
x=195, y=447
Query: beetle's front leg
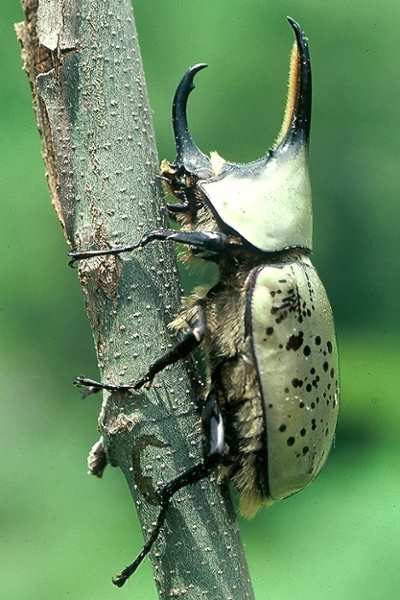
x=201, y=240
x=197, y=329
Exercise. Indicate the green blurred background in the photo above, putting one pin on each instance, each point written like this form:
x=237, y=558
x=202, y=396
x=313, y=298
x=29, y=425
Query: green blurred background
x=63, y=534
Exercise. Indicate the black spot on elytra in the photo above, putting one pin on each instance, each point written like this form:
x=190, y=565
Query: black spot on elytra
x=290, y=441
x=269, y=330
x=297, y=382
x=329, y=346
x=307, y=351
x=282, y=428
x=325, y=366
x=295, y=341
x=282, y=317
x=317, y=340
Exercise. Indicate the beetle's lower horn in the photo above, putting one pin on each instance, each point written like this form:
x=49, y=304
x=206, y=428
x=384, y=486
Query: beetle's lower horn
x=188, y=154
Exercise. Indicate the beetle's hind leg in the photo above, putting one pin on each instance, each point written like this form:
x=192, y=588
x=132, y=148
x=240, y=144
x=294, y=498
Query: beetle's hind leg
x=215, y=445
x=194, y=337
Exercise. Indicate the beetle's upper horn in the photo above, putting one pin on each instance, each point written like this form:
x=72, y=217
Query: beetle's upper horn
x=296, y=124
x=268, y=202
x=188, y=154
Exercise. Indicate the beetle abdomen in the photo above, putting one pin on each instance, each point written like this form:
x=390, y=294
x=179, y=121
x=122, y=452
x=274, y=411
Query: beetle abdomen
x=290, y=322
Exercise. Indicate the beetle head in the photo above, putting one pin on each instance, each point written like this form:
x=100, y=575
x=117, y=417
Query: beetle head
x=266, y=202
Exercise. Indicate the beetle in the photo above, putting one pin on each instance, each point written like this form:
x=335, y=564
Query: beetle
x=270, y=412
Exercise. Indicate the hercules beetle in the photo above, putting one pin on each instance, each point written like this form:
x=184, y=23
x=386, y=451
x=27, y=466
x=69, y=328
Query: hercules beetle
x=270, y=413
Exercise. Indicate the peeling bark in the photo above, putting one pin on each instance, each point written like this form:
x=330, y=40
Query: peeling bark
x=84, y=67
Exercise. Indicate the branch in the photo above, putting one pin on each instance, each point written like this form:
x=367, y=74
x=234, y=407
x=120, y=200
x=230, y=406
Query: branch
x=85, y=71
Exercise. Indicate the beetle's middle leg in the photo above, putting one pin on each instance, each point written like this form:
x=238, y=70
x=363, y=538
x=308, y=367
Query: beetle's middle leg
x=197, y=329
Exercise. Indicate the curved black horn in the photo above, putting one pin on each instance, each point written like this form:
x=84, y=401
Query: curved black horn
x=188, y=154
x=297, y=121
x=278, y=184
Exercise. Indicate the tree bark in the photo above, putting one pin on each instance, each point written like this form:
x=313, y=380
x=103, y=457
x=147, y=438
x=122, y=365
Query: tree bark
x=84, y=66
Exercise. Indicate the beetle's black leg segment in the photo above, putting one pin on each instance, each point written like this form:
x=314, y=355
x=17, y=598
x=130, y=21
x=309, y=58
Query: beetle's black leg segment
x=95, y=386
x=213, y=427
x=165, y=494
x=193, y=338
x=214, y=431
x=201, y=240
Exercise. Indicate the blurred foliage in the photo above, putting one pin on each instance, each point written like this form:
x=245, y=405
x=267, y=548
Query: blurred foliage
x=63, y=533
